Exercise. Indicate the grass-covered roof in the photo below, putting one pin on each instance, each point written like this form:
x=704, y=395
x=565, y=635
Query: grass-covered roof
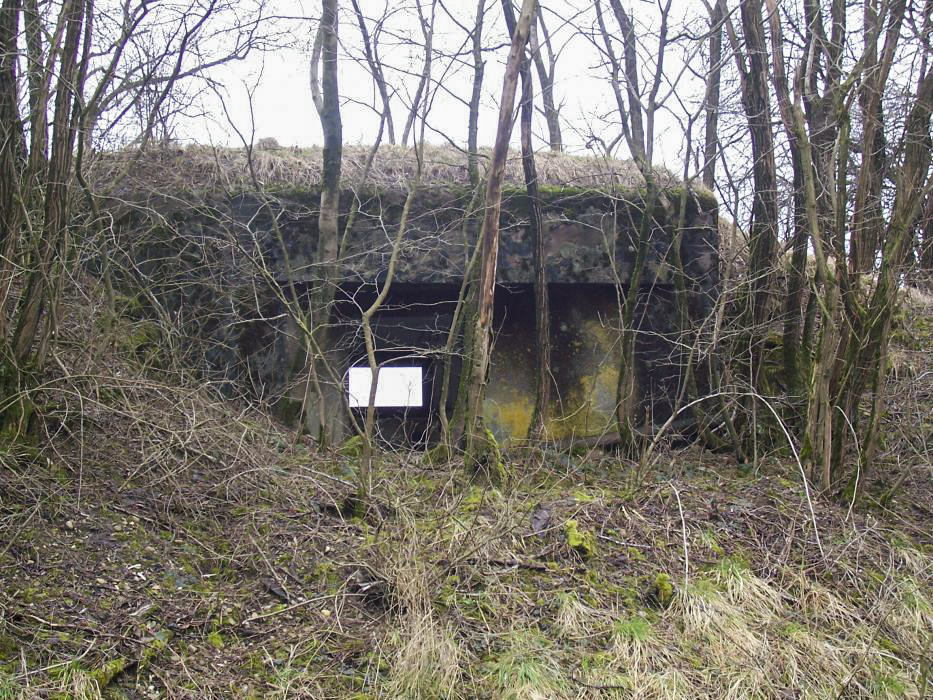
x=172, y=170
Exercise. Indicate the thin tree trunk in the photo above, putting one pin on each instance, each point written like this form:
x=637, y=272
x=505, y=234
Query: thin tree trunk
x=427, y=29
x=38, y=94
x=796, y=275
x=327, y=103
x=763, y=237
x=461, y=324
x=638, y=128
x=868, y=217
x=10, y=150
x=542, y=371
x=479, y=66
x=863, y=361
x=713, y=81
x=479, y=356
x=546, y=78
x=637, y=143
x=376, y=69
x=40, y=284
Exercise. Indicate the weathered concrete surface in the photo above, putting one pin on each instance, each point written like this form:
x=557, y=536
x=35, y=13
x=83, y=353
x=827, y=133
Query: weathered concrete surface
x=226, y=250
x=581, y=228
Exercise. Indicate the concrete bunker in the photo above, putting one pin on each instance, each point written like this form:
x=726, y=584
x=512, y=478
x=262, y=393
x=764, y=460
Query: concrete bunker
x=590, y=256
x=254, y=242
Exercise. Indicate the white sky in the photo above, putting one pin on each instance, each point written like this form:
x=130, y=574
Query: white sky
x=282, y=106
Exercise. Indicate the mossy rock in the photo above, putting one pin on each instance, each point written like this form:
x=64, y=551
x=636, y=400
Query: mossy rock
x=660, y=593
x=581, y=542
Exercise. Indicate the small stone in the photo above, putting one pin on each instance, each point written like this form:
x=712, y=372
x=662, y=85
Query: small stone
x=70, y=524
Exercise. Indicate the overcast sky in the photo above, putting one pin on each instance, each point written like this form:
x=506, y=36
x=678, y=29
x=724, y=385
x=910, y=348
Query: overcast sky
x=282, y=106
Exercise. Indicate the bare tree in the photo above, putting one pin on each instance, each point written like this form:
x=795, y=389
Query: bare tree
x=854, y=318
x=479, y=65
x=375, y=68
x=536, y=226
x=753, y=77
x=478, y=456
x=327, y=103
x=427, y=29
x=638, y=120
x=44, y=247
x=546, y=76
x=713, y=86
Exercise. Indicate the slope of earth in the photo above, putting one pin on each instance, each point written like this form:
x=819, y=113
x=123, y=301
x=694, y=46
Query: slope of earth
x=159, y=541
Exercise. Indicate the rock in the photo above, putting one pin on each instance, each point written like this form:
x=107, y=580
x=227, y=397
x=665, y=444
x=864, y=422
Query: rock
x=540, y=519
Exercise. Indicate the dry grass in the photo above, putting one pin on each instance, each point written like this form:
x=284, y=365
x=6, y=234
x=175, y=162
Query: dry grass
x=202, y=546
x=218, y=170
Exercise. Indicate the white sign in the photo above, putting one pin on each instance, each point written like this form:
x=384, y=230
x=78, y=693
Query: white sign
x=396, y=386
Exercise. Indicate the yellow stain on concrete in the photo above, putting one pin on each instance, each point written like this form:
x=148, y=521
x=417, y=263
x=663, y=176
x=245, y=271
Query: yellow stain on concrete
x=586, y=408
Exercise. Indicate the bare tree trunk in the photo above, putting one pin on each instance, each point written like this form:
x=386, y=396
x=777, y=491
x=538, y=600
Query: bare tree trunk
x=11, y=416
x=11, y=146
x=796, y=275
x=365, y=480
x=40, y=283
x=461, y=324
x=327, y=103
x=868, y=220
x=542, y=371
x=427, y=30
x=863, y=360
x=638, y=127
x=636, y=138
x=763, y=235
x=546, y=78
x=376, y=69
x=713, y=79
x=479, y=67
x=11, y=131
x=39, y=84
x=477, y=457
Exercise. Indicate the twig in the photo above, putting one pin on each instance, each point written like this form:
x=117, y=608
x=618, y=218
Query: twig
x=335, y=479
x=595, y=686
x=84, y=653
x=275, y=574
x=683, y=526
x=621, y=543
x=273, y=613
x=925, y=668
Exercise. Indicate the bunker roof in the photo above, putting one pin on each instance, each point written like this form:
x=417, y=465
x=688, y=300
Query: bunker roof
x=214, y=170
